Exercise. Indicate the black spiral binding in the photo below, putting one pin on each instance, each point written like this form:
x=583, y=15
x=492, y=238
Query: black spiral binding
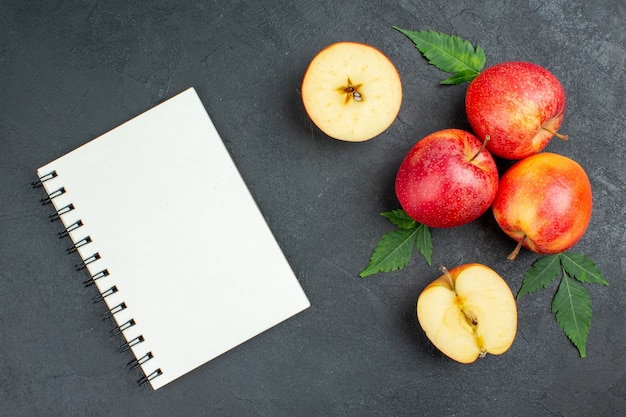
x=39, y=182
x=118, y=330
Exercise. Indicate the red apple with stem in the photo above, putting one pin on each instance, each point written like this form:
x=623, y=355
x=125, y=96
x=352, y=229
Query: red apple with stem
x=520, y=105
x=447, y=179
x=544, y=202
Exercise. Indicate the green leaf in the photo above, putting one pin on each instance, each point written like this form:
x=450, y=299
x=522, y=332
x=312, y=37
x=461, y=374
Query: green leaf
x=449, y=53
x=424, y=243
x=572, y=307
x=459, y=78
x=540, y=274
x=393, y=252
x=582, y=268
x=400, y=219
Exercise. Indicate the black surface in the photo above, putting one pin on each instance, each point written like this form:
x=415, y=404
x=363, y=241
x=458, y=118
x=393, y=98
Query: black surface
x=73, y=70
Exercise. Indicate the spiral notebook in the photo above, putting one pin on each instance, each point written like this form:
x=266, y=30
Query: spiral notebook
x=172, y=239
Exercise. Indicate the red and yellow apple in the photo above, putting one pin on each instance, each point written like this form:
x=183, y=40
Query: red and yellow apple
x=468, y=312
x=352, y=91
x=447, y=179
x=519, y=105
x=544, y=202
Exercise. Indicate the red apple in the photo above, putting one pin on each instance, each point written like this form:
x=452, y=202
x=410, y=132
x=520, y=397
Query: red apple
x=544, y=202
x=520, y=105
x=447, y=179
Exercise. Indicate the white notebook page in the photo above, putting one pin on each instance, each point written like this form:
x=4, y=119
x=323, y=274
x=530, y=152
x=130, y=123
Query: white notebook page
x=181, y=237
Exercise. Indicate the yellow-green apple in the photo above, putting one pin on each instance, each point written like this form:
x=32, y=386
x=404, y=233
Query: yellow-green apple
x=468, y=312
x=447, y=179
x=520, y=105
x=544, y=202
x=351, y=91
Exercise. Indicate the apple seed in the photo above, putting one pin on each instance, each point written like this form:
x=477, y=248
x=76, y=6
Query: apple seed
x=351, y=91
x=470, y=318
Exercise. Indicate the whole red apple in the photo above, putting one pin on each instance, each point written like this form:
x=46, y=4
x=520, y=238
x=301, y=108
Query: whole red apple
x=447, y=179
x=520, y=105
x=544, y=202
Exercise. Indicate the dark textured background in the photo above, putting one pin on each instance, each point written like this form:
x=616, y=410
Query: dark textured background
x=72, y=70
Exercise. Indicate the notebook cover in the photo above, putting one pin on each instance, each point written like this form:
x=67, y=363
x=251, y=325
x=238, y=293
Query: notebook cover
x=174, y=238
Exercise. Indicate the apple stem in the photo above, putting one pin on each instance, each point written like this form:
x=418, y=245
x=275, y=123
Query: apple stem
x=515, y=252
x=483, y=146
x=558, y=135
x=447, y=274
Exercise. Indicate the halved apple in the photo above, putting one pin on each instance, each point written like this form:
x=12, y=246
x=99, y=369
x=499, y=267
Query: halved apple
x=351, y=91
x=468, y=312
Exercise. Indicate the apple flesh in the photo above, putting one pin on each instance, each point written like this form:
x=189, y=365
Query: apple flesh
x=520, y=105
x=468, y=312
x=352, y=91
x=544, y=202
x=447, y=179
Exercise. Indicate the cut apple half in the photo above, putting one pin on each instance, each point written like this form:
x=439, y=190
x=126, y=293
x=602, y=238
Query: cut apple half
x=351, y=91
x=468, y=312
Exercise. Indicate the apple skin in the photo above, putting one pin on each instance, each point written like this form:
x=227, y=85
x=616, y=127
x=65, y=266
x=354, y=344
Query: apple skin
x=520, y=105
x=438, y=186
x=364, y=70
x=468, y=312
x=544, y=201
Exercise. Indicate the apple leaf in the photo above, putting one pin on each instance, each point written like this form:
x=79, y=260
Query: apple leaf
x=393, y=252
x=460, y=78
x=572, y=307
x=400, y=219
x=395, y=248
x=571, y=303
x=448, y=53
x=582, y=268
x=540, y=274
x=424, y=242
